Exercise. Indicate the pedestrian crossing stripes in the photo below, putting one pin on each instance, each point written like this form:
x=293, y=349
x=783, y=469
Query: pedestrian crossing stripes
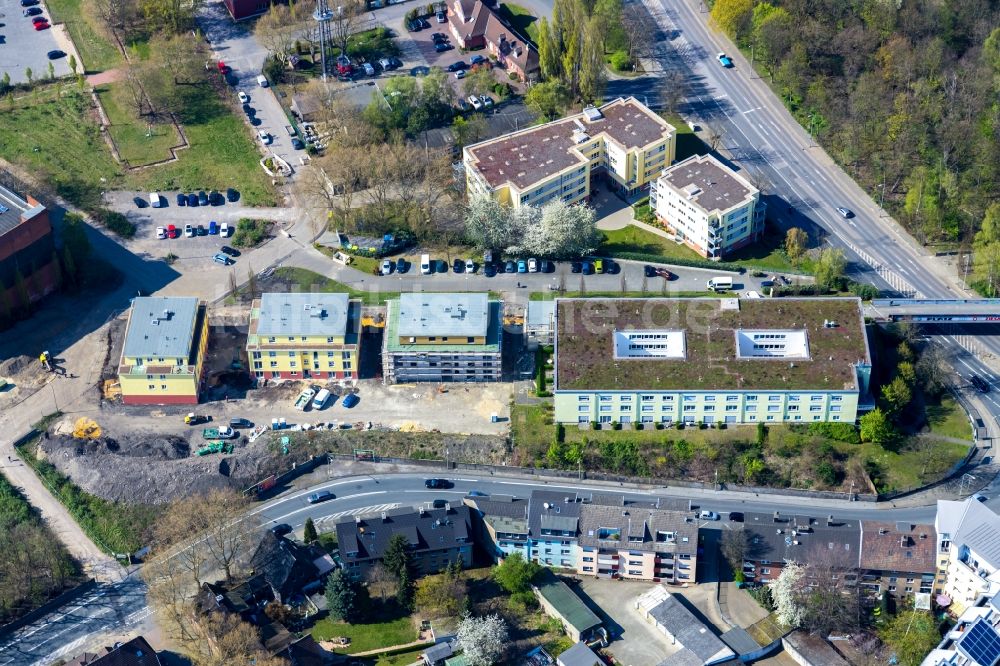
x=378, y=508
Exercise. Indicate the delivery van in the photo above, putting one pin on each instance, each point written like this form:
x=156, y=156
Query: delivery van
x=262, y=81
x=720, y=283
x=319, y=402
x=154, y=199
x=425, y=264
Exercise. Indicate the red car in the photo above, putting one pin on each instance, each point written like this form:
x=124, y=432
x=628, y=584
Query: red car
x=172, y=231
x=42, y=26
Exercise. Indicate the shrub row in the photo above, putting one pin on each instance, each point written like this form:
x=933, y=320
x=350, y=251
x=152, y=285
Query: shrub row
x=680, y=261
x=114, y=221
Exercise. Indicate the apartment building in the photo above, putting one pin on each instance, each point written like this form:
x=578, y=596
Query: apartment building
x=898, y=558
x=436, y=537
x=27, y=251
x=729, y=360
x=711, y=208
x=975, y=638
x=304, y=336
x=775, y=539
x=443, y=337
x=622, y=140
x=968, y=538
x=592, y=534
x=164, y=351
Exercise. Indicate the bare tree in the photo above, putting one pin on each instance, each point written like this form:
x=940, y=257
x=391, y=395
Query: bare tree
x=734, y=547
x=346, y=21
x=382, y=583
x=276, y=31
x=831, y=600
x=638, y=30
x=134, y=95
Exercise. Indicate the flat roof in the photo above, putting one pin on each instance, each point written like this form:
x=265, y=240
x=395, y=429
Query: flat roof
x=585, y=344
x=160, y=326
x=11, y=208
x=566, y=602
x=531, y=155
x=303, y=314
x=425, y=314
x=707, y=183
x=540, y=313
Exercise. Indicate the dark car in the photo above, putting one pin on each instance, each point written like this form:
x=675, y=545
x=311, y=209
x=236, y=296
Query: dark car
x=350, y=400
x=980, y=384
x=55, y=54
x=28, y=3
x=576, y=267
x=321, y=496
x=140, y=202
x=439, y=38
x=477, y=493
x=395, y=62
x=649, y=271
x=546, y=266
x=489, y=270
x=247, y=109
x=32, y=11
x=281, y=529
x=238, y=423
x=297, y=144
x=455, y=66
x=438, y=483
x=510, y=267
x=414, y=25
x=232, y=252
x=612, y=267
x=200, y=230
x=192, y=199
x=587, y=268
x=401, y=265
x=441, y=266
x=736, y=516
x=476, y=59
x=439, y=503
x=202, y=198
x=181, y=200
x=441, y=47
x=232, y=195
x=500, y=266
x=458, y=266
x=463, y=106
x=215, y=198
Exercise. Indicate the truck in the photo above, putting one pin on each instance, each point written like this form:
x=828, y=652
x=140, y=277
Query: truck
x=195, y=419
x=304, y=399
x=222, y=432
x=720, y=283
x=214, y=447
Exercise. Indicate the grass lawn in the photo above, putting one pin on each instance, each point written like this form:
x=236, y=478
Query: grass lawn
x=914, y=463
x=96, y=49
x=949, y=420
x=769, y=253
x=130, y=134
x=366, y=637
x=59, y=142
x=301, y=279
x=521, y=20
x=634, y=239
x=401, y=659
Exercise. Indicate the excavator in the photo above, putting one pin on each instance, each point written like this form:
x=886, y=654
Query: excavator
x=86, y=428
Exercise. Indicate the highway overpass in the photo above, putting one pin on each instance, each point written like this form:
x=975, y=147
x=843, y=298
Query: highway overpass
x=935, y=311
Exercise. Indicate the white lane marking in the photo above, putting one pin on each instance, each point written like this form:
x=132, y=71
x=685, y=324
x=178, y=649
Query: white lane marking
x=48, y=621
x=310, y=506
x=356, y=512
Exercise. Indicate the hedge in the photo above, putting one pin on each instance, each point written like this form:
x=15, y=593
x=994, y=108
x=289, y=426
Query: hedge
x=114, y=221
x=680, y=261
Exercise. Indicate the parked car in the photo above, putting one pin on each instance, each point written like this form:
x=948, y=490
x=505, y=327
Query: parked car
x=213, y=227
x=463, y=106
x=425, y=24
x=547, y=266
x=188, y=231
x=477, y=493
x=215, y=198
x=39, y=19
x=321, y=496
x=475, y=102
x=181, y=200
x=29, y=3
x=395, y=62
x=413, y=25
x=385, y=64
x=201, y=230
x=586, y=268
x=386, y=267
x=139, y=202
x=297, y=144
x=470, y=266
x=489, y=270
x=220, y=258
x=456, y=66
x=192, y=199
x=522, y=266
x=725, y=60
x=224, y=230
x=665, y=274
x=510, y=267
x=264, y=136
x=172, y=231
x=575, y=267
x=458, y=266
x=439, y=503
x=350, y=400
x=55, y=54
x=161, y=233
x=441, y=18
x=232, y=195
x=476, y=59
x=237, y=423
x=845, y=212
x=231, y=251
x=439, y=38
x=649, y=271
x=980, y=384
x=41, y=26
x=202, y=198
x=736, y=516
x=532, y=265
x=460, y=74
x=486, y=100
x=441, y=47
x=281, y=529
x=32, y=11
x=243, y=97
x=708, y=515
x=435, y=484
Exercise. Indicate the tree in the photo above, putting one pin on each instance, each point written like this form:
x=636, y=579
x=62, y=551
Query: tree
x=732, y=17
x=796, y=241
x=277, y=31
x=397, y=560
x=309, y=534
x=345, y=22
x=673, y=89
x=876, y=428
x=173, y=15
x=911, y=635
x=637, y=30
x=562, y=231
x=28, y=74
x=444, y=594
x=593, y=71
x=829, y=606
x=784, y=591
x=340, y=596
x=548, y=50
x=487, y=224
x=134, y=95
x=547, y=99
x=896, y=395
x=483, y=639
x=382, y=583
x=71, y=61
x=478, y=82
x=830, y=267
x=734, y=548
x=515, y=573
x=469, y=130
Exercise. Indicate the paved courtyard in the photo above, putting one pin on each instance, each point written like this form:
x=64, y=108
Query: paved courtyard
x=634, y=642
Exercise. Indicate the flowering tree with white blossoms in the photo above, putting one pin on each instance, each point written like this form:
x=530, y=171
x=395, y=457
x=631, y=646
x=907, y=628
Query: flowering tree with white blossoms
x=483, y=639
x=785, y=592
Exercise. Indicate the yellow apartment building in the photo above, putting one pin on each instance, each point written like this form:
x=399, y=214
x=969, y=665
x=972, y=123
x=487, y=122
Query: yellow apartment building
x=165, y=344
x=622, y=140
x=304, y=336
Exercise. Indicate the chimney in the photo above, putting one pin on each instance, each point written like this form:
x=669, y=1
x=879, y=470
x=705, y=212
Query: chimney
x=777, y=516
x=357, y=520
x=829, y=521
x=421, y=510
x=383, y=516
x=447, y=507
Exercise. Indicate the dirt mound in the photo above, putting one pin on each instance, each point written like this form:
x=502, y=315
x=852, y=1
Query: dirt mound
x=14, y=366
x=161, y=447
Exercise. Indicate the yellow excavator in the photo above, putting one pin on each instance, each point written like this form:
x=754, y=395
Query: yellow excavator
x=86, y=428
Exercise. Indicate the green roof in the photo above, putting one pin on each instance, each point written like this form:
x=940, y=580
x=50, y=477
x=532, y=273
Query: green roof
x=458, y=660
x=585, y=350
x=571, y=607
x=493, y=334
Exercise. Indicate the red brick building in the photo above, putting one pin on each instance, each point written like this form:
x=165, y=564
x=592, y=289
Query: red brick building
x=242, y=9
x=27, y=249
x=474, y=25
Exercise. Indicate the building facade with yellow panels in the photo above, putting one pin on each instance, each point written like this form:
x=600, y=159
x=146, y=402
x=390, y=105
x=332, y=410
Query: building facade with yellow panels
x=623, y=140
x=304, y=336
x=164, y=351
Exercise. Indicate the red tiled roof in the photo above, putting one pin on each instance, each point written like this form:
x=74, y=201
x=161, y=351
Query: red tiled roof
x=898, y=547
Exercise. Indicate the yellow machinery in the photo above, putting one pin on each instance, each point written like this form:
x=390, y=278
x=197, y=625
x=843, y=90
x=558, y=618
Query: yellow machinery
x=377, y=321
x=86, y=428
x=111, y=389
x=513, y=320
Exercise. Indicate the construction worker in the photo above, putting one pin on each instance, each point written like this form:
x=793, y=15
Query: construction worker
x=44, y=358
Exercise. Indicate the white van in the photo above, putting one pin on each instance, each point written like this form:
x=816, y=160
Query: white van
x=319, y=402
x=154, y=199
x=262, y=81
x=425, y=264
x=720, y=283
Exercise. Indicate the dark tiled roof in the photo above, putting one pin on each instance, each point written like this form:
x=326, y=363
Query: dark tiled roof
x=237, y=598
x=898, y=547
x=136, y=652
x=285, y=565
x=367, y=537
x=307, y=652
x=630, y=521
x=561, y=504
x=814, y=539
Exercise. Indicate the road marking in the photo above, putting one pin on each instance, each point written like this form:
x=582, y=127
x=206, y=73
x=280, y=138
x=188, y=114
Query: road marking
x=377, y=508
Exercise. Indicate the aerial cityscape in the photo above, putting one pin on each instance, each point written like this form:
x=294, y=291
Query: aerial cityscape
x=488, y=332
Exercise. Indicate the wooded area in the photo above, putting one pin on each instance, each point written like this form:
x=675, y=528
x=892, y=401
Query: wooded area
x=902, y=94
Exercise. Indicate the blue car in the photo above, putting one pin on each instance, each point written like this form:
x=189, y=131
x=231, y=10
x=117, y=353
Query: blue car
x=350, y=400
x=725, y=60
x=510, y=267
x=181, y=200
x=192, y=199
x=522, y=266
x=213, y=228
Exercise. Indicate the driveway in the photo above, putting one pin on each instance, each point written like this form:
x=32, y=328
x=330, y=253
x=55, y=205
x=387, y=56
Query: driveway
x=234, y=44
x=634, y=642
x=21, y=46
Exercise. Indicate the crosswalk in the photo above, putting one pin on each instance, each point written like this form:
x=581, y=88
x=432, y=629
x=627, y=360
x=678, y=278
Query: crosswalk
x=366, y=510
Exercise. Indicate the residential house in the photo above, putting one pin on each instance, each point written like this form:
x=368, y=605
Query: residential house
x=135, y=652
x=290, y=568
x=164, y=351
x=305, y=336
x=27, y=250
x=709, y=207
x=500, y=524
x=244, y=599
x=474, y=25
x=696, y=642
x=775, y=539
x=560, y=602
x=438, y=653
x=968, y=534
x=787, y=360
x=443, y=337
x=898, y=558
x=811, y=650
x=975, y=638
x=436, y=537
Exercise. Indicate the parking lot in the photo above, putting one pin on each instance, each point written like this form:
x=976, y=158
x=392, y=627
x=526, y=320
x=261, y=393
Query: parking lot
x=21, y=46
